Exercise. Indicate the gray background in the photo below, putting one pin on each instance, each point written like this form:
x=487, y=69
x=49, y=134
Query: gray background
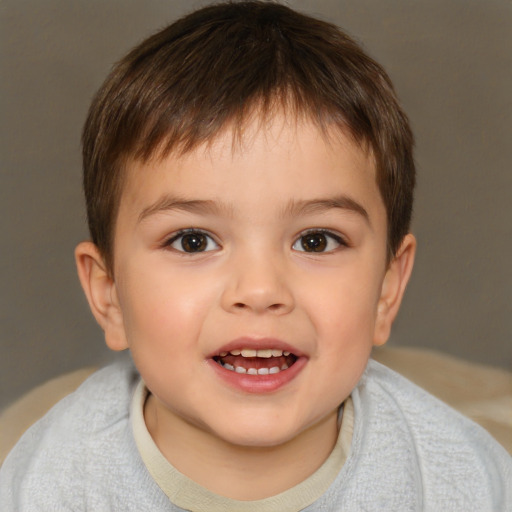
x=451, y=62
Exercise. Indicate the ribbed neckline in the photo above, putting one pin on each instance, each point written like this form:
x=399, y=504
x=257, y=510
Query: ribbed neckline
x=187, y=494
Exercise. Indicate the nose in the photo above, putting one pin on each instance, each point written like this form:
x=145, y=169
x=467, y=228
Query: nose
x=258, y=285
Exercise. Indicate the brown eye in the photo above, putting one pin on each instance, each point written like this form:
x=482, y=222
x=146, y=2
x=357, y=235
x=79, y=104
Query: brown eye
x=192, y=242
x=314, y=242
x=195, y=242
x=318, y=241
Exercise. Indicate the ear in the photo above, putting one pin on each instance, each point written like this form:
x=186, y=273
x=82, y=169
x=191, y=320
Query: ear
x=100, y=290
x=393, y=288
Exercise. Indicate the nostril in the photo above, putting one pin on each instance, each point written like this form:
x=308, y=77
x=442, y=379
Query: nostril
x=272, y=307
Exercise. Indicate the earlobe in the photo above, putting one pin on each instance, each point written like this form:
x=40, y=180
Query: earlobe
x=100, y=290
x=393, y=288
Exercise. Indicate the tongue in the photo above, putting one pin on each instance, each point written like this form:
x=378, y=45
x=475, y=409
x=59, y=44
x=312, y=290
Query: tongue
x=255, y=362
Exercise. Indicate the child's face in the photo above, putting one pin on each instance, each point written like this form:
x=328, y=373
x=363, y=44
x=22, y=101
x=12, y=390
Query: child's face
x=278, y=245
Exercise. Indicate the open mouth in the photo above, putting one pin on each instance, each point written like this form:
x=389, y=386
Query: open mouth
x=256, y=361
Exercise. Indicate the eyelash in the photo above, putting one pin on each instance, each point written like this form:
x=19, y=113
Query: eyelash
x=190, y=231
x=323, y=244
x=329, y=238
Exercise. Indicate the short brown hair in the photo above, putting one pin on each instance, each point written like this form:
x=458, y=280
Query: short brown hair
x=211, y=69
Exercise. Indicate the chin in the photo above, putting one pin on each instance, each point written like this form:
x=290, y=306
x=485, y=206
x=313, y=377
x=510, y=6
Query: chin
x=258, y=434
x=259, y=440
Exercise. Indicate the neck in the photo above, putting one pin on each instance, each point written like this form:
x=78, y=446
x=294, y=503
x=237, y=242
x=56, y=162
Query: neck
x=243, y=473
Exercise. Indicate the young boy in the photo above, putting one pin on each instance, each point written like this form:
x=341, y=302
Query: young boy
x=249, y=177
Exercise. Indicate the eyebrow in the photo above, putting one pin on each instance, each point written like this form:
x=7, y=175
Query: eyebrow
x=293, y=209
x=170, y=203
x=321, y=205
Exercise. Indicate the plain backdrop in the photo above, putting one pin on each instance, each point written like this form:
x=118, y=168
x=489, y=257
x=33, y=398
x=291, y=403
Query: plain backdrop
x=451, y=62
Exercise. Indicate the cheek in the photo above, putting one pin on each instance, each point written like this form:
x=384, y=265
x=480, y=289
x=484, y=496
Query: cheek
x=160, y=306
x=163, y=316
x=346, y=304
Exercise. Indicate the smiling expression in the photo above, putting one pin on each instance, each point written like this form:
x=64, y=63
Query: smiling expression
x=248, y=280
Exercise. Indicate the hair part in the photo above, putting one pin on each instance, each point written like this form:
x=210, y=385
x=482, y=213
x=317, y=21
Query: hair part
x=213, y=70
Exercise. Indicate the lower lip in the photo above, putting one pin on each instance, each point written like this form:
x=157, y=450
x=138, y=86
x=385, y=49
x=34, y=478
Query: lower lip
x=259, y=383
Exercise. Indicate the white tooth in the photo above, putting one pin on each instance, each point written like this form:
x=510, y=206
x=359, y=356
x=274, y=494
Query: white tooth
x=284, y=367
x=240, y=369
x=286, y=353
x=266, y=353
x=223, y=354
x=248, y=352
x=274, y=369
x=229, y=366
x=252, y=371
x=277, y=353
x=263, y=371
x=235, y=352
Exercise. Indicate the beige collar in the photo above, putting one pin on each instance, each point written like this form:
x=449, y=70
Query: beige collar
x=187, y=494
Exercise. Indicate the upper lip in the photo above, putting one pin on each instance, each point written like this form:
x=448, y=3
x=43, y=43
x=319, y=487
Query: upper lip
x=257, y=343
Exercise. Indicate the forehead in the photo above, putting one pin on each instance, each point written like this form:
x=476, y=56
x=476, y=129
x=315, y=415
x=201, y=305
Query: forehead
x=272, y=160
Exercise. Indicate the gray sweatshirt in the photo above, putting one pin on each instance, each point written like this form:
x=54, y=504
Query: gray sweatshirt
x=409, y=452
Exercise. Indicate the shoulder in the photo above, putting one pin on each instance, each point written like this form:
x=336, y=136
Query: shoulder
x=65, y=450
x=419, y=409
x=101, y=401
x=455, y=461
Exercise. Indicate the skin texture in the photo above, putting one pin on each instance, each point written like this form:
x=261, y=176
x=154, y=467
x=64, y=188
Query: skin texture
x=255, y=283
